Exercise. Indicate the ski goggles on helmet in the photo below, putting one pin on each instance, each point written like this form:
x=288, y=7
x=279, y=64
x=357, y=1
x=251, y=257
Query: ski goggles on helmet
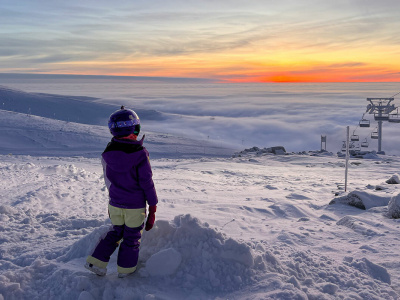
x=123, y=124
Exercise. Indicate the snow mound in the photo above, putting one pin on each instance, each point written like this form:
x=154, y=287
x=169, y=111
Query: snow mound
x=394, y=207
x=395, y=179
x=362, y=200
x=202, y=257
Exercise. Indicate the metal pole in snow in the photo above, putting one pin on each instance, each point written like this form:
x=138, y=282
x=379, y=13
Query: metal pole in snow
x=347, y=158
x=380, y=134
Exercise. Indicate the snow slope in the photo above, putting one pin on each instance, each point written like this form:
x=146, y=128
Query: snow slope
x=34, y=135
x=256, y=226
x=81, y=109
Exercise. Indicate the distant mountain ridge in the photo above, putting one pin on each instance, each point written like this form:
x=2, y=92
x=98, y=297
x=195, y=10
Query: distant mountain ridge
x=79, y=109
x=116, y=77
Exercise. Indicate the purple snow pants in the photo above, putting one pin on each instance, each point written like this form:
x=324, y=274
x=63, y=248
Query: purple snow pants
x=128, y=253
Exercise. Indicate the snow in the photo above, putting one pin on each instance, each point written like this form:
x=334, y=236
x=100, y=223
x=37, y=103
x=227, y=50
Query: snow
x=254, y=226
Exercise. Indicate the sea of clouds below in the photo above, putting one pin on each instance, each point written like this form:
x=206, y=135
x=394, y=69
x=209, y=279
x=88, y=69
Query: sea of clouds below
x=243, y=115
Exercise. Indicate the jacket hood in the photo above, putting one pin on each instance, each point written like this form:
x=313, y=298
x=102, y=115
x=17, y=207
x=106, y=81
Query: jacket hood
x=121, y=155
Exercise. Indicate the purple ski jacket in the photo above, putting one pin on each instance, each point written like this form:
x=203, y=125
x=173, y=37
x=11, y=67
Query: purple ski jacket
x=128, y=175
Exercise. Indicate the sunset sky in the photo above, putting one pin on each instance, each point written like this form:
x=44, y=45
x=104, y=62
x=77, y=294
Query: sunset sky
x=224, y=40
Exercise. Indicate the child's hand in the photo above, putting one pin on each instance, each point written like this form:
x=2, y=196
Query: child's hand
x=151, y=217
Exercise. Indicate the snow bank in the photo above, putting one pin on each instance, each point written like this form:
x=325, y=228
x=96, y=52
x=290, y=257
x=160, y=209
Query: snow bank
x=193, y=261
x=362, y=200
x=394, y=207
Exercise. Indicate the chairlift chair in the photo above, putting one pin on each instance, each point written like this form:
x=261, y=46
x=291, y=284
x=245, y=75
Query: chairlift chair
x=364, y=123
x=365, y=144
x=344, y=147
x=374, y=135
x=395, y=118
x=354, y=138
x=381, y=117
x=354, y=148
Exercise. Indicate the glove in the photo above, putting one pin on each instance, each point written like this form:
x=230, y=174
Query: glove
x=151, y=217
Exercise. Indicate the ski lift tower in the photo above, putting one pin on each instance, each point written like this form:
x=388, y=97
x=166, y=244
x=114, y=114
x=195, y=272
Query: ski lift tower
x=323, y=143
x=380, y=108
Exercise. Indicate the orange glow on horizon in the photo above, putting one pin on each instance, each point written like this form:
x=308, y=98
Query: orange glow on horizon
x=286, y=77
x=236, y=70
x=279, y=77
x=294, y=78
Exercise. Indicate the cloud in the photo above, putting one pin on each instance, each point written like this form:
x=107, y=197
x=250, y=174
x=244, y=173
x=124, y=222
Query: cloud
x=262, y=115
x=206, y=38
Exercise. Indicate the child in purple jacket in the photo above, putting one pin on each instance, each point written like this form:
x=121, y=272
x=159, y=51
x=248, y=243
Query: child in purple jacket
x=128, y=177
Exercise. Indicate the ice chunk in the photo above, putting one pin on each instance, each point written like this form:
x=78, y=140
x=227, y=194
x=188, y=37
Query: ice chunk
x=164, y=262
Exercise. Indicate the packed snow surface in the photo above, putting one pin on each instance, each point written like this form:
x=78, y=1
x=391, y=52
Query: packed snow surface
x=254, y=226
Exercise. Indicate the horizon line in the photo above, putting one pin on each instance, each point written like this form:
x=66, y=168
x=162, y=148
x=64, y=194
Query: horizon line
x=176, y=79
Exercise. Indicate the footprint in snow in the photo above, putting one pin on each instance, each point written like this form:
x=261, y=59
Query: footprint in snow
x=297, y=196
x=271, y=187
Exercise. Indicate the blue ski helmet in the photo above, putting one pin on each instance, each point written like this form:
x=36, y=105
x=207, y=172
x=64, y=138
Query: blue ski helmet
x=124, y=122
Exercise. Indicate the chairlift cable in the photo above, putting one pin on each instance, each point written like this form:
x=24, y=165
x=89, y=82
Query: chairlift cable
x=395, y=95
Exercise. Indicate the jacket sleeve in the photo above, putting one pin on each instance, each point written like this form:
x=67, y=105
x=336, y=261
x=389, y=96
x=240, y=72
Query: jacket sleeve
x=106, y=181
x=145, y=176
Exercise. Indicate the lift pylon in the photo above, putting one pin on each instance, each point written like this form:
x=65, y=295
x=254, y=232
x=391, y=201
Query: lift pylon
x=381, y=109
